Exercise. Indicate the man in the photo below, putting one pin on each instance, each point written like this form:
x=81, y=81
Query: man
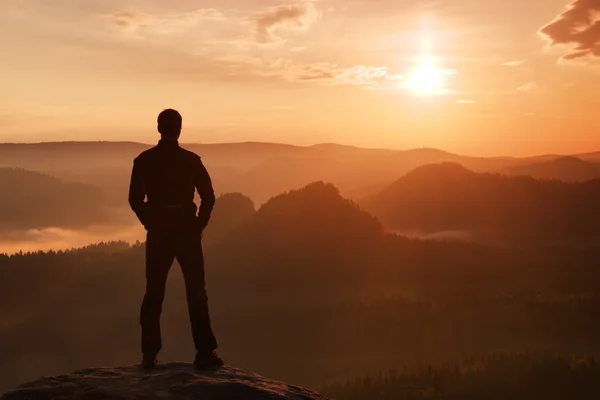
x=167, y=175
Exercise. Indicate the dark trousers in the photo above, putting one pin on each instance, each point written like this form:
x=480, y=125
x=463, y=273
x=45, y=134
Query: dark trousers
x=161, y=250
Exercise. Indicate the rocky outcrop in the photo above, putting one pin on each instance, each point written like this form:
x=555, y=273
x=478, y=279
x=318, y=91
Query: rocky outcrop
x=174, y=381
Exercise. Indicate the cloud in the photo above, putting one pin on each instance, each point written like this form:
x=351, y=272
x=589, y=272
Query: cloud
x=334, y=75
x=465, y=102
x=188, y=45
x=528, y=87
x=293, y=16
x=516, y=63
x=364, y=75
x=136, y=21
x=315, y=72
x=577, y=27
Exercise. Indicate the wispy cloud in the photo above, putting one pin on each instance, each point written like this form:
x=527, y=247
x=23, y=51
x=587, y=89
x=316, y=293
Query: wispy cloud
x=528, y=87
x=577, y=27
x=209, y=44
x=293, y=16
x=137, y=21
x=516, y=63
x=332, y=74
x=318, y=72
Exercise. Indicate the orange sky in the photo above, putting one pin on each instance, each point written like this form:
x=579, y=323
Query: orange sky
x=304, y=72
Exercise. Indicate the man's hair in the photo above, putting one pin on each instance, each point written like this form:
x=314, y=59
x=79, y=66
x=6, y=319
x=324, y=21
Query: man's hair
x=169, y=120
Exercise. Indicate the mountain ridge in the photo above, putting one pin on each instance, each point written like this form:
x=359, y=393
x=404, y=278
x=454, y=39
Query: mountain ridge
x=321, y=145
x=450, y=197
x=564, y=168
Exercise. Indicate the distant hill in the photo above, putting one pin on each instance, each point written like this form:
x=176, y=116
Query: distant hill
x=568, y=169
x=277, y=175
x=259, y=170
x=450, y=198
x=33, y=200
x=353, y=170
x=411, y=159
x=591, y=156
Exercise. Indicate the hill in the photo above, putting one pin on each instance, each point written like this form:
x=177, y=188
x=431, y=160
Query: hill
x=410, y=159
x=230, y=212
x=259, y=170
x=591, y=156
x=292, y=237
x=278, y=175
x=34, y=200
x=174, y=381
x=567, y=169
x=448, y=197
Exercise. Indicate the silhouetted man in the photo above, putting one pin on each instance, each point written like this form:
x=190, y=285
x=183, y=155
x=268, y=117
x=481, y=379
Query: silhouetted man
x=167, y=175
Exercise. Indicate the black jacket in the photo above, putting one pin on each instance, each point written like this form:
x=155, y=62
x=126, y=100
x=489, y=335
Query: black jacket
x=168, y=175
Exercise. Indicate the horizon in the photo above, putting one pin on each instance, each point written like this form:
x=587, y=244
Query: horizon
x=374, y=75
x=251, y=142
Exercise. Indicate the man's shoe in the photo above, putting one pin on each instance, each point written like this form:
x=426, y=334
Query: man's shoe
x=210, y=359
x=149, y=361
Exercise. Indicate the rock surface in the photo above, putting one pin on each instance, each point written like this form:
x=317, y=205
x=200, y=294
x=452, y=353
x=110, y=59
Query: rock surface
x=174, y=381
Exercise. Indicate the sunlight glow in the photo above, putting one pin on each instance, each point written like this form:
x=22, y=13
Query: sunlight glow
x=426, y=79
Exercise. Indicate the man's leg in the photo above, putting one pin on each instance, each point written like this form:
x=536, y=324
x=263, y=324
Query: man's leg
x=191, y=260
x=160, y=253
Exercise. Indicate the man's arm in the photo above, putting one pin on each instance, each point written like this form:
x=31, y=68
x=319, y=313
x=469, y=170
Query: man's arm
x=207, y=194
x=137, y=194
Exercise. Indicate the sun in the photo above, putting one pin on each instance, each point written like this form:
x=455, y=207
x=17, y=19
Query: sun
x=426, y=79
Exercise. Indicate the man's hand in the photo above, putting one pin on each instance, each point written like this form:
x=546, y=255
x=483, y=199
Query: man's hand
x=207, y=195
x=137, y=194
x=200, y=224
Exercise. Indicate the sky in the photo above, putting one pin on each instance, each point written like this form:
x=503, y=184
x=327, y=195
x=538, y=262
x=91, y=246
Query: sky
x=468, y=76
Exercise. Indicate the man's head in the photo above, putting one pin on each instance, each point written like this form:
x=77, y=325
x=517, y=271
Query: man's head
x=169, y=124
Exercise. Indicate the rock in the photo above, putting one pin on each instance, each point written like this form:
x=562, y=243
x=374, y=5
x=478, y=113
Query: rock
x=173, y=381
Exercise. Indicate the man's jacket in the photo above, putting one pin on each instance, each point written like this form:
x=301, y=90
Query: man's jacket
x=168, y=176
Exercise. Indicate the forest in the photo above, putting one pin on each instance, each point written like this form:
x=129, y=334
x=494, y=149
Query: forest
x=496, y=376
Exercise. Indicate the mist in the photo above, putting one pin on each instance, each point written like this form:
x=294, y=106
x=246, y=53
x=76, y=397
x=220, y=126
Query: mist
x=55, y=238
x=445, y=236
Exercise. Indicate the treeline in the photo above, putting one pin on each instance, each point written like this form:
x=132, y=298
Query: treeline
x=498, y=376
x=71, y=309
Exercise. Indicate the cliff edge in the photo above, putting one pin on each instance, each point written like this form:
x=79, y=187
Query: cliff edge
x=173, y=381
